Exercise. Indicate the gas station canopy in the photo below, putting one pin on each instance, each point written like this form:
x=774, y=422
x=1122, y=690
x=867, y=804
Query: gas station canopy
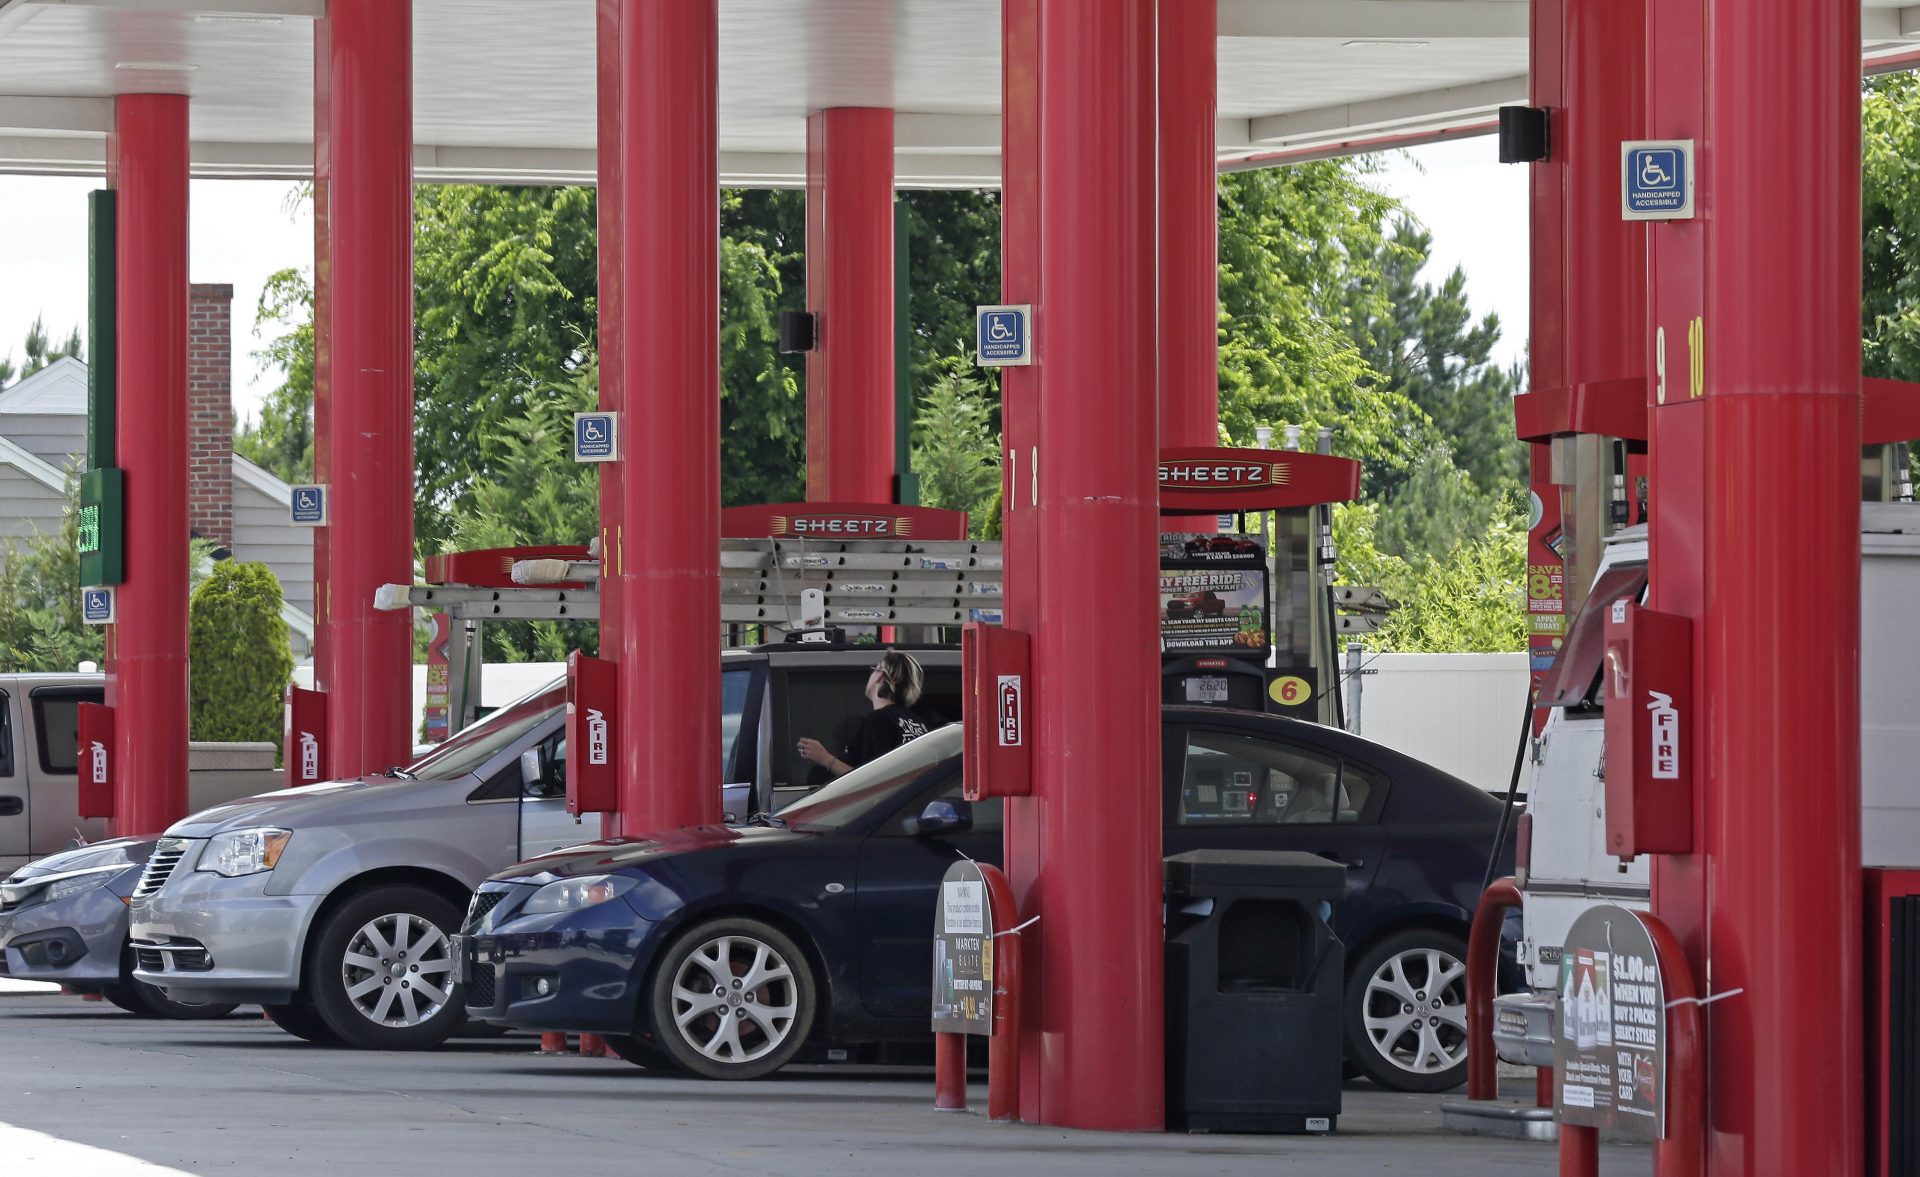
x=504, y=89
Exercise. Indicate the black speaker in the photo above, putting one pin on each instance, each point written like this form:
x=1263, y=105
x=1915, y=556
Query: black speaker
x=1523, y=134
x=795, y=332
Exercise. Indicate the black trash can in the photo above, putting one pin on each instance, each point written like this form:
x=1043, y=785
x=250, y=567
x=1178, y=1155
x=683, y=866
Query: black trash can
x=1254, y=984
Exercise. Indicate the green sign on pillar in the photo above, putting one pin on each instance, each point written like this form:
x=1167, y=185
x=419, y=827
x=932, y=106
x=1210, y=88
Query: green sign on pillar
x=102, y=488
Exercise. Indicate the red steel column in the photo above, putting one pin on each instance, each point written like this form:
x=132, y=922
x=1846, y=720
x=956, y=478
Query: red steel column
x=1189, y=324
x=1782, y=389
x=1021, y=165
x=150, y=656
x=670, y=486
x=370, y=690
x=850, y=440
x=611, y=181
x=323, y=642
x=1097, y=769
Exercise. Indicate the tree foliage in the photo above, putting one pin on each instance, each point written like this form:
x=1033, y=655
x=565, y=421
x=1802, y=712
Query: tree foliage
x=41, y=351
x=956, y=450
x=40, y=624
x=1890, y=224
x=237, y=646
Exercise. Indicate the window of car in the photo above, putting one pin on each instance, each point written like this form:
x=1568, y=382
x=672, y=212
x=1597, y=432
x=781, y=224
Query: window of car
x=826, y=703
x=474, y=746
x=736, y=754
x=989, y=816
x=872, y=785
x=56, y=721
x=1231, y=779
x=6, y=735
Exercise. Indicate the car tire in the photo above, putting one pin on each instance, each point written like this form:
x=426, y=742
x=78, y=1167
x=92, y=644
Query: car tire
x=302, y=1022
x=1406, y=1011
x=739, y=971
x=381, y=974
x=640, y=1052
x=150, y=1001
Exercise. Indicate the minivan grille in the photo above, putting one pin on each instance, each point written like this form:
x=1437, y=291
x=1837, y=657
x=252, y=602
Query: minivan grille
x=480, y=990
x=167, y=853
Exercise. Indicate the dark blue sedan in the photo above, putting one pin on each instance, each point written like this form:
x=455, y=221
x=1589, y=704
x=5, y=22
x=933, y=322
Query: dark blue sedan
x=722, y=951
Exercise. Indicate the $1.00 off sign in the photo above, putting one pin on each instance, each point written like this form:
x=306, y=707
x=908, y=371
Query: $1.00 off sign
x=963, y=953
x=1611, y=1051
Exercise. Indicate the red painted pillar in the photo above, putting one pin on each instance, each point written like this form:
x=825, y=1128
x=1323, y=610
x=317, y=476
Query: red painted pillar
x=670, y=485
x=1604, y=267
x=150, y=655
x=1781, y=333
x=850, y=442
x=370, y=129
x=1021, y=165
x=1189, y=322
x=1097, y=770
x=611, y=179
x=322, y=341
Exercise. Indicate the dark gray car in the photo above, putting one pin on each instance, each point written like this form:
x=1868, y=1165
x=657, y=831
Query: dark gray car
x=63, y=920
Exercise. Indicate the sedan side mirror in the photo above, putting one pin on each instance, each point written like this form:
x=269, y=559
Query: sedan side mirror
x=533, y=774
x=943, y=817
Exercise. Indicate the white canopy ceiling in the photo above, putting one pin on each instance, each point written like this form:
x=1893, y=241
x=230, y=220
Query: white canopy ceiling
x=503, y=89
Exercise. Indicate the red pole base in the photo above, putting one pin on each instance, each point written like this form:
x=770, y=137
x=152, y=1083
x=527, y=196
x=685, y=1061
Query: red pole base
x=1543, y=1087
x=1483, y=959
x=1579, y=1151
x=553, y=1044
x=593, y=1046
x=950, y=1072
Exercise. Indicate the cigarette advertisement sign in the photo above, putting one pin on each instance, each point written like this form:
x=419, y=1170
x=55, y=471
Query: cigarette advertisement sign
x=1611, y=1049
x=963, y=953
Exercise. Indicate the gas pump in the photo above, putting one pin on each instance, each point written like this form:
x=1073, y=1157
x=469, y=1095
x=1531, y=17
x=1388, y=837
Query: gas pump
x=1248, y=616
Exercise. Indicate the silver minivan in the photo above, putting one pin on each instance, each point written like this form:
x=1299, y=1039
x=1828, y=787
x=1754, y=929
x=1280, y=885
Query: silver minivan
x=332, y=905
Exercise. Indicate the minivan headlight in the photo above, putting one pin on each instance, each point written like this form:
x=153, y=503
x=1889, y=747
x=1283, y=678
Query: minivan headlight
x=244, y=852
x=574, y=894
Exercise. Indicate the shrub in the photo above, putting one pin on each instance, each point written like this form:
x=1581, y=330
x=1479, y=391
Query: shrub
x=240, y=657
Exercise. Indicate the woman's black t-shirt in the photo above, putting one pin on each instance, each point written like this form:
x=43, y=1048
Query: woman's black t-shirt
x=880, y=733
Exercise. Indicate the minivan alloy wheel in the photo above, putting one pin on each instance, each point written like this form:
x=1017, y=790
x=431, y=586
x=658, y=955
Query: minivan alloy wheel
x=397, y=970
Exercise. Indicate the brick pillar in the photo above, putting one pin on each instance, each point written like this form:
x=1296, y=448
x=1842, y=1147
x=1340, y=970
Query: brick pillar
x=210, y=412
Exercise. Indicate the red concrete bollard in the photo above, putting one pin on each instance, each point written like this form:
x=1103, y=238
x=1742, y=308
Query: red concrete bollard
x=950, y=1072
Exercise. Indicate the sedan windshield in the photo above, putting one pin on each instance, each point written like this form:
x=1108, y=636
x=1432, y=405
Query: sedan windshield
x=873, y=784
x=478, y=744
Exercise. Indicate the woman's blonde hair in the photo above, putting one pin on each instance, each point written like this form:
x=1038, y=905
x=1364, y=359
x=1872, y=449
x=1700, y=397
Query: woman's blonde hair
x=902, y=677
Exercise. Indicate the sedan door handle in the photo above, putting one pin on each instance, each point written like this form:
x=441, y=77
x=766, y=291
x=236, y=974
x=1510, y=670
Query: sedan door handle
x=12, y=806
x=1343, y=860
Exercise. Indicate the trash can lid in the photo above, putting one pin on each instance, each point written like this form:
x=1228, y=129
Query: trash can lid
x=1279, y=873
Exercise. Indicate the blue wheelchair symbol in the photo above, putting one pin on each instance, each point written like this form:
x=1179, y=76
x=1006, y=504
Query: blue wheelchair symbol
x=1658, y=170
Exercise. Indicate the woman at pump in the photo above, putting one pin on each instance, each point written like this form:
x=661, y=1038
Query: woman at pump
x=893, y=687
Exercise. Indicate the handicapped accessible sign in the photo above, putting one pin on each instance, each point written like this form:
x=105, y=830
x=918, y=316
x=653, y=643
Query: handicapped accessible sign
x=97, y=605
x=596, y=437
x=1004, y=335
x=1656, y=180
x=308, y=506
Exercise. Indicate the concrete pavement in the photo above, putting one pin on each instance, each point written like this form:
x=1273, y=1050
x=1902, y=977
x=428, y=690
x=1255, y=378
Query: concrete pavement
x=240, y=1096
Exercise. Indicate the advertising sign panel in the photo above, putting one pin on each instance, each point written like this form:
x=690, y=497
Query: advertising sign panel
x=963, y=927
x=1611, y=1050
x=1214, y=610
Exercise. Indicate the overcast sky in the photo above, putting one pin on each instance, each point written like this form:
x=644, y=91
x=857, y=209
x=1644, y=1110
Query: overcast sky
x=243, y=231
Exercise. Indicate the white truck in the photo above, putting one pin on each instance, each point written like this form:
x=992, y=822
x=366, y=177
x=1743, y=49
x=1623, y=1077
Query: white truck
x=1564, y=867
x=39, y=784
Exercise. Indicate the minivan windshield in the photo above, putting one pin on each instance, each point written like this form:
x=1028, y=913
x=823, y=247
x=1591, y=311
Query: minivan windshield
x=478, y=744
x=873, y=784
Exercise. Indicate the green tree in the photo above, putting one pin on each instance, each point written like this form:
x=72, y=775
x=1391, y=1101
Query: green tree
x=39, y=353
x=1890, y=225
x=1469, y=599
x=1291, y=242
x=237, y=646
x=281, y=441
x=1421, y=341
x=40, y=625
x=956, y=450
